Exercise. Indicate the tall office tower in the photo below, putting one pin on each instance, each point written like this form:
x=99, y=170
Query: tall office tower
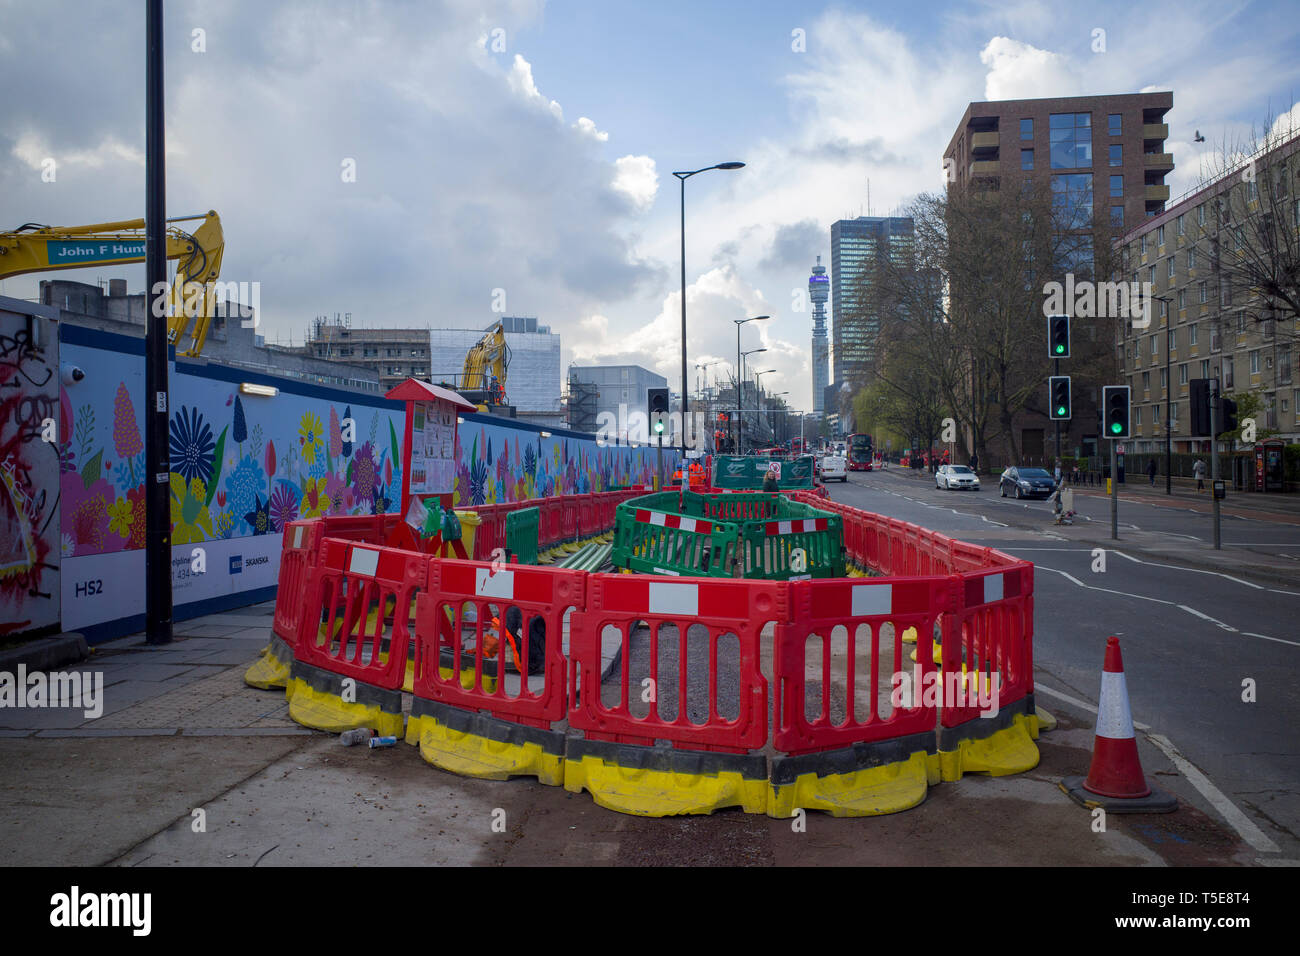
x=853, y=243
x=819, y=292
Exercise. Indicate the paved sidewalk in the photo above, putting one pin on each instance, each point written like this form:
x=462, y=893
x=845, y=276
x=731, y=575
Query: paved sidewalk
x=182, y=738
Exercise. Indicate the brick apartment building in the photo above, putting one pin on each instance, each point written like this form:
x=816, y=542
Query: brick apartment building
x=1106, y=156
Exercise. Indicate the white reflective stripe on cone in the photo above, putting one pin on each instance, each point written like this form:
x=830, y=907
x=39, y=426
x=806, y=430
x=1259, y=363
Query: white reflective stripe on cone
x=1114, y=719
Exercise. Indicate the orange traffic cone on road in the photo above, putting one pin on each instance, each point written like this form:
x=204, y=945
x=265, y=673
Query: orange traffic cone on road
x=1115, y=780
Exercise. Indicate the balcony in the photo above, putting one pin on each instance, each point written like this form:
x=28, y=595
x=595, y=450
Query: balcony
x=1158, y=161
x=989, y=167
x=1156, y=194
x=980, y=142
x=1158, y=131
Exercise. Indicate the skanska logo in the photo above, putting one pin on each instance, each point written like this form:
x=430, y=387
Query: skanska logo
x=236, y=563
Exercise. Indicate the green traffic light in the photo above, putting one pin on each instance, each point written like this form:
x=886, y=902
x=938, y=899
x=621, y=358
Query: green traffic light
x=1060, y=349
x=1060, y=411
x=1116, y=427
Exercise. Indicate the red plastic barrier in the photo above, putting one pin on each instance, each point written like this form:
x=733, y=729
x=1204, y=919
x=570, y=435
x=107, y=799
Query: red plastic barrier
x=549, y=522
x=372, y=529
x=491, y=533
x=366, y=596
x=992, y=634
x=588, y=516
x=462, y=599
x=687, y=623
x=297, y=557
x=843, y=622
x=569, y=517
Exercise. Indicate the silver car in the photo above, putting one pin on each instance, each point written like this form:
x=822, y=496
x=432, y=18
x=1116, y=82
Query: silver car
x=956, y=476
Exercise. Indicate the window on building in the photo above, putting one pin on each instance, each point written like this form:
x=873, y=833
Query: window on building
x=1146, y=381
x=1180, y=225
x=1115, y=124
x=1160, y=235
x=1254, y=362
x=1117, y=185
x=1117, y=155
x=1191, y=334
x=1229, y=367
x=1155, y=346
x=1252, y=190
x=1173, y=415
x=1225, y=293
x=1171, y=267
x=1137, y=415
x=1182, y=300
x=1173, y=340
x=1117, y=218
x=1200, y=288
x=1182, y=374
x=1070, y=139
x=1191, y=258
x=1026, y=129
x=1164, y=378
x=1026, y=159
x=1200, y=215
x=1205, y=368
x=1072, y=197
x=1164, y=308
x=1152, y=276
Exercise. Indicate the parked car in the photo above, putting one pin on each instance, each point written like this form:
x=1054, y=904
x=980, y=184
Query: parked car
x=834, y=466
x=956, y=476
x=1026, y=483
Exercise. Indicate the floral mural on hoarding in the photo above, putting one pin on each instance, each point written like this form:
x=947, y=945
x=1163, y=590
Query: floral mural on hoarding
x=499, y=463
x=238, y=467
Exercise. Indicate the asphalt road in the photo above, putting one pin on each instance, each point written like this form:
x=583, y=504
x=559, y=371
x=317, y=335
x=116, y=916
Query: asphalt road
x=1193, y=638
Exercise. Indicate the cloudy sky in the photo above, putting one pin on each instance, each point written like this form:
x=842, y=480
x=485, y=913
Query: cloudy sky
x=529, y=146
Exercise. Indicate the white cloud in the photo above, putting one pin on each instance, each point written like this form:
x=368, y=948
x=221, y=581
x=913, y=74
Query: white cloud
x=1020, y=71
x=521, y=81
x=588, y=128
x=635, y=178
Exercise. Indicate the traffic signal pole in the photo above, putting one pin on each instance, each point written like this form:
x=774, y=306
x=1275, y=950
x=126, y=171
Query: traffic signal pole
x=1214, y=458
x=1058, y=424
x=1114, y=493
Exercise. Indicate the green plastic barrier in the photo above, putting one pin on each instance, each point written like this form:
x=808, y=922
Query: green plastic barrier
x=746, y=473
x=737, y=542
x=521, y=534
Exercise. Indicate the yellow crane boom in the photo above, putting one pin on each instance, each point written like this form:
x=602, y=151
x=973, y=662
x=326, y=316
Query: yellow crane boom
x=36, y=248
x=489, y=357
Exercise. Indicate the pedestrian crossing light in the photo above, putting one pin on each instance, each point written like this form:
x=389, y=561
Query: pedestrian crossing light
x=1115, y=411
x=658, y=402
x=1058, y=336
x=1058, y=390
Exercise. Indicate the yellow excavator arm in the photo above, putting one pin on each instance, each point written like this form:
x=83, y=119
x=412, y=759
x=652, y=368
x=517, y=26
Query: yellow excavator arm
x=487, y=358
x=36, y=248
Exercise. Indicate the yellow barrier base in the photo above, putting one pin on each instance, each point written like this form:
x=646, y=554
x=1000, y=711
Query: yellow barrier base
x=476, y=745
x=1042, y=721
x=271, y=669
x=316, y=700
x=867, y=779
x=656, y=782
x=1007, y=750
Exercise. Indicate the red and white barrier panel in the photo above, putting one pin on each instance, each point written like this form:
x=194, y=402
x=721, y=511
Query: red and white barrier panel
x=665, y=520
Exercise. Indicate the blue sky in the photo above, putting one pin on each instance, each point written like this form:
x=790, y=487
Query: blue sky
x=544, y=168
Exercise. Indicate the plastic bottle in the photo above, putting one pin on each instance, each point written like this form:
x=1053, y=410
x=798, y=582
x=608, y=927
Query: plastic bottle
x=359, y=736
x=382, y=742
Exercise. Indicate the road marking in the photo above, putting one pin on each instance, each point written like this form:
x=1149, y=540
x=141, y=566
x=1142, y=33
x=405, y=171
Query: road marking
x=1244, y=826
x=1267, y=638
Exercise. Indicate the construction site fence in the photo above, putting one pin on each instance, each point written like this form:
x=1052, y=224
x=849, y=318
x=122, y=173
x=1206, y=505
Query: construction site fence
x=589, y=668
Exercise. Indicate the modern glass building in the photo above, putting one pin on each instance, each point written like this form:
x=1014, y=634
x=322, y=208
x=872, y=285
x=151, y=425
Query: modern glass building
x=853, y=243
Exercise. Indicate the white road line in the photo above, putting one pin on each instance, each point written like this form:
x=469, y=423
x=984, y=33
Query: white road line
x=1244, y=826
x=1267, y=638
x=1227, y=809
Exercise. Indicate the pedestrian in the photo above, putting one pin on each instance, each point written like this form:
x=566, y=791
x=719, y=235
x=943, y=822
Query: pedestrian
x=1151, y=471
x=975, y=462
x=1075, y=479
x=770, y=481
x=1198, y=470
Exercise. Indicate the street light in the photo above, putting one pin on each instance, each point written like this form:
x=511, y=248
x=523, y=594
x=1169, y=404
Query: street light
x=758, y=400
x=740, y=387
x=740, y=369
x=682, y=176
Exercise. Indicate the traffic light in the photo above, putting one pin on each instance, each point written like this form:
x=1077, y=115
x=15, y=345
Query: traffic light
x=1058, y=392
x=1228, y=416
x=1199, y=399
x=1115, y=411
x=658, y=408
x=1058, y=336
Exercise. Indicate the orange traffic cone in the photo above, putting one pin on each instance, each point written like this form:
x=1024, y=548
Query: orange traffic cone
x=1115, y=780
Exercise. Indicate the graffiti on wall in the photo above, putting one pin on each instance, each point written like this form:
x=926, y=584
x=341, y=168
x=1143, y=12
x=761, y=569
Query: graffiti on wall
x=29, y=507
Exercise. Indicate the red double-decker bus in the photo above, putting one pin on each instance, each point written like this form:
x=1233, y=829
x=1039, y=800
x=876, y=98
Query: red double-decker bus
x=860, y=452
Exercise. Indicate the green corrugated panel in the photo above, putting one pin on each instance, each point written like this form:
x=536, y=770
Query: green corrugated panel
x=521, y=534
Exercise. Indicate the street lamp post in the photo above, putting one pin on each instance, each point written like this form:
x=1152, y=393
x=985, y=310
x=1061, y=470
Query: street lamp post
x=758, y=396
x=1169, y=391
x=740, y=414
x=739, y=370
x=682, y=176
